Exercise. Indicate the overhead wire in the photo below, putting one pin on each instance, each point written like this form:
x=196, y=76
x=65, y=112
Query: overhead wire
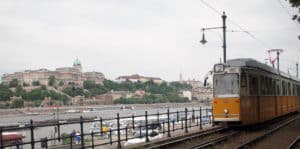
x=262, y=43
x=265, y=45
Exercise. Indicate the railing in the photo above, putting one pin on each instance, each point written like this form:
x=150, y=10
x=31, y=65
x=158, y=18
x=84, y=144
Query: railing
x=140, y=127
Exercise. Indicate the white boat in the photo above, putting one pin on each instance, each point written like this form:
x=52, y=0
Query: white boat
x=72, y=111
x=97, y=109
x=32, y=113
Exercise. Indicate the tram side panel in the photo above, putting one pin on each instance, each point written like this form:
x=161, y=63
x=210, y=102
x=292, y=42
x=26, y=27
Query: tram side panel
x=249, y=110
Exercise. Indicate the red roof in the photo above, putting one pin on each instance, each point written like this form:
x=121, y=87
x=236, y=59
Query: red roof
x=136, y=76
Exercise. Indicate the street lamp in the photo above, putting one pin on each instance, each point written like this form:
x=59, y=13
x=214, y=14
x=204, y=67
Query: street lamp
x=204, y=41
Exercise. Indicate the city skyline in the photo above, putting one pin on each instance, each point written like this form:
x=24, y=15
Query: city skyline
x=157, y=38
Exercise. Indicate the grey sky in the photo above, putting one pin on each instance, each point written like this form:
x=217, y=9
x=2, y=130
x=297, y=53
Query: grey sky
x=157, y=38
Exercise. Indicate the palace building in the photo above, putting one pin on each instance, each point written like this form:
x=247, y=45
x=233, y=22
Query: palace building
x=66, y=75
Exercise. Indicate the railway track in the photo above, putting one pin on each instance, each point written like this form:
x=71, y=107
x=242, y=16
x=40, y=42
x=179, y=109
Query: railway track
x=295, y=143
x=265, y=135
x=215, y=140
x=182, y=139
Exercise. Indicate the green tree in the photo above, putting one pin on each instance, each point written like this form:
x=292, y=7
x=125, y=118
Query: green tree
x=36, y=94
x=89, y=84
x=51, y=80
x=20, y=92
x=5, y=92
x=296, y=17
x=61, y=83
x=18, y=103
x=73, y=91
x=35, y=83
x=13, y=83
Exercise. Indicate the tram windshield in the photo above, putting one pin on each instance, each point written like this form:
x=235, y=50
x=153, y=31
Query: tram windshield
x=226, y=85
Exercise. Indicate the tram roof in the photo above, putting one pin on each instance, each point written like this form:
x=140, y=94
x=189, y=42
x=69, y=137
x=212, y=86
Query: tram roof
x=252, y=63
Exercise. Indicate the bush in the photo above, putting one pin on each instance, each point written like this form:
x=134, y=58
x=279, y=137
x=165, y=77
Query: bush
x=18, y=103
x=5, y=92
x=13, y=83
x=36, y=83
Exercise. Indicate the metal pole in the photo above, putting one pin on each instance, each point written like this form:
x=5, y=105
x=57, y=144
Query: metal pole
x=278, y=61
x=186, y=125
x=93, y=145
x=32, y=134
x=1, y=139
x=119, y=133
x=224, y=36
x=297, y=69
x=169, y=133
x=81, y=133
x=133, y=126
x=101, y=126
x=146, y=125
x=200, y=115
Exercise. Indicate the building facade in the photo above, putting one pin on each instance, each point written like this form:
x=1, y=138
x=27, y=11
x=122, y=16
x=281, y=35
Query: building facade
x=66, y=75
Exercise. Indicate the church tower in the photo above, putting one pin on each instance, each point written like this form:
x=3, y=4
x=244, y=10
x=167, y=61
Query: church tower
x=180, y=78
x=77, y=65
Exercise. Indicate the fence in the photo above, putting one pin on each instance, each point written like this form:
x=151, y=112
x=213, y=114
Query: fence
x=114, y=131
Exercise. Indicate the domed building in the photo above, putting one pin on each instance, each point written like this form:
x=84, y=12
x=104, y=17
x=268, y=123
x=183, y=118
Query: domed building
x=64, y=76
x=77, y=65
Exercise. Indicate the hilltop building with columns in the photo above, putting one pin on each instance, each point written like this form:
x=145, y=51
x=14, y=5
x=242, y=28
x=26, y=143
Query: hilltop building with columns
x=64, y=75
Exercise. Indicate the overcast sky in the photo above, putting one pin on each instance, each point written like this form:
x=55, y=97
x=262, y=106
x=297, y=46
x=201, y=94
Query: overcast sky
x=158, y=38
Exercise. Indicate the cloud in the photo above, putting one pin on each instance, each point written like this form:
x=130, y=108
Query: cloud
x=157, y=38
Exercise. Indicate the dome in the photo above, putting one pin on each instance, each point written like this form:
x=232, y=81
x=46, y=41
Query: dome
x=76, y=63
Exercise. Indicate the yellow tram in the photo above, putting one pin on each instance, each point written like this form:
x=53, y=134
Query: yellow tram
x=246, y=91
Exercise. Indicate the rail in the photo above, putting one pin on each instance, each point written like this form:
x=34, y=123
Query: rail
x=294, y=143
x=264, y=135
x=119, y=129
x=215, y=140
x=188, y=137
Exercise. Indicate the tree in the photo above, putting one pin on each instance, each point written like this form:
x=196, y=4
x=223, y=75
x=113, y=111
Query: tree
x=51, y=80
x=74, y=91
x=61, y=83
x=296, y=4
x=13, y=83
x=20, y=92
x=36, y=94
x=89, y=84
x=36, y=83
x=5, y=92
x=18, y=103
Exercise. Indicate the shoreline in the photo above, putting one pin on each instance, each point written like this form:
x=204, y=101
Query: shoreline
x=50, y=110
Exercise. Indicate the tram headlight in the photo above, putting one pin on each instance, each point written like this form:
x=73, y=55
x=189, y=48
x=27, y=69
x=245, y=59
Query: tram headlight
x=226, y=111
x=219, y=67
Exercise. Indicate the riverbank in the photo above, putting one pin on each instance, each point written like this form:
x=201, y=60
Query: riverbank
x=50, y=110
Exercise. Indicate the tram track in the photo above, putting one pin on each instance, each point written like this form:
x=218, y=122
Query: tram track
x=295, y=143
x=263, y=136
x=215, y=140
x=179, y=140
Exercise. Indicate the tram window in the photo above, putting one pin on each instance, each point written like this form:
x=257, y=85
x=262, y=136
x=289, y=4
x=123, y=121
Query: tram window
x=289, y=89
x=283, y=88
x=244, y=84
x=268, y=85
x=262, y=85
x=243, y=80
x=294, y=90
x=226, y=85
x=273, y=90
x=277, y=88
x=253, y=85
